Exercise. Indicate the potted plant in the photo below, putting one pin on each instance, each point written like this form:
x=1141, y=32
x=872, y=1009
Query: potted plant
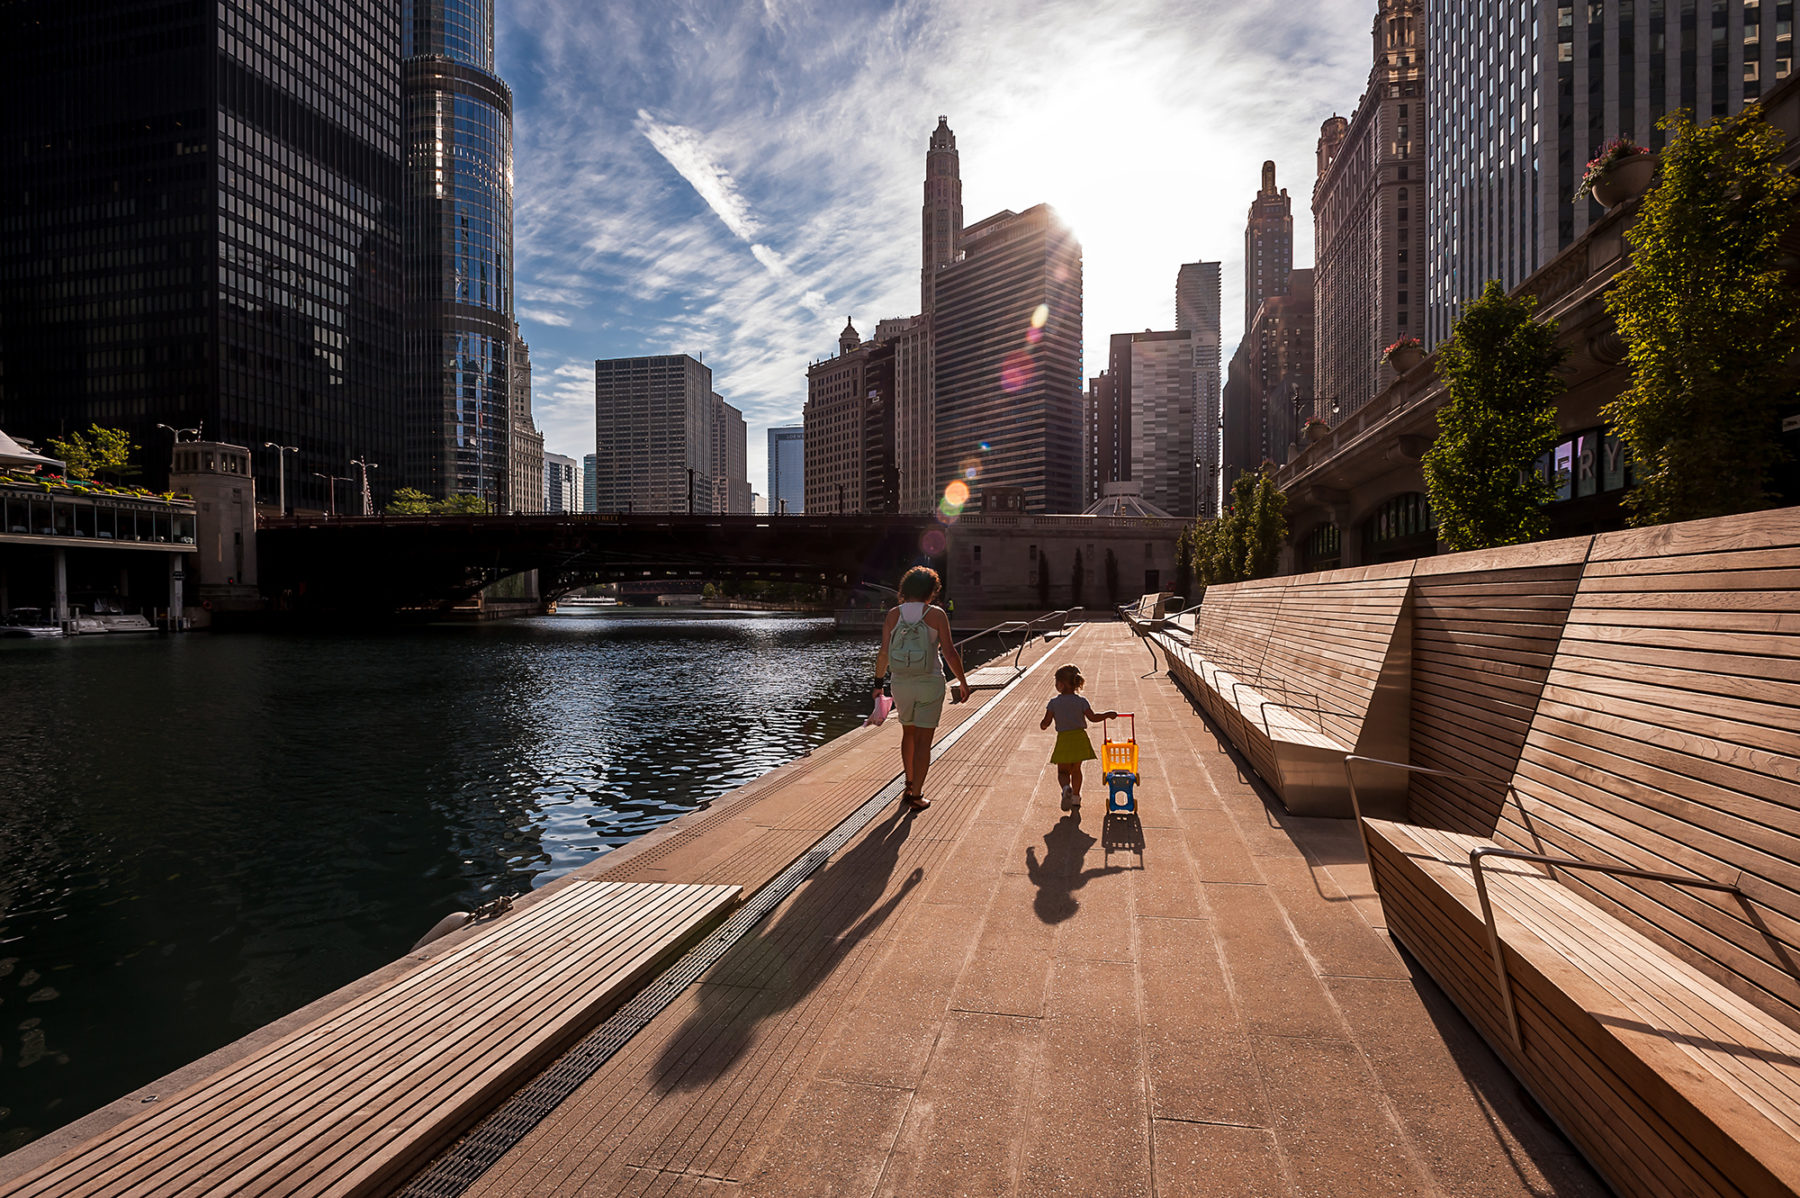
x=1619, y=171
x=1315, y=429
x=1403, y=354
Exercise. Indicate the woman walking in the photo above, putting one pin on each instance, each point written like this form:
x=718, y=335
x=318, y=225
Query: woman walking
x=914, y=635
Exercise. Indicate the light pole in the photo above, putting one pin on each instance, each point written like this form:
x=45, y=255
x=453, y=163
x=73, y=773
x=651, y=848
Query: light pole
x=176, y=432
x=331, y=482
x=364, y=465
x=282, y=456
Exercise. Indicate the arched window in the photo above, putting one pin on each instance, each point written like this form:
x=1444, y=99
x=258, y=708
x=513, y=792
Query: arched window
x=1323, y=550
x=1401, y=528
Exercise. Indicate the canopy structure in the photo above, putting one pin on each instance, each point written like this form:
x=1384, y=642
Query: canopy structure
x=1126, y=504
x=14, y=454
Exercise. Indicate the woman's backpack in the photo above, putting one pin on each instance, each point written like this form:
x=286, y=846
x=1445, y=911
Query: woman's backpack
x=912, y=649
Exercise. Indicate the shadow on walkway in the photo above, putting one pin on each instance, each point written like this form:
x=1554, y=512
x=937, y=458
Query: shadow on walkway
x=1060, y=874
x=772, y=970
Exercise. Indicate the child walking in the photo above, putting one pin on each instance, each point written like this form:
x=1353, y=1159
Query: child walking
x=1071, y=714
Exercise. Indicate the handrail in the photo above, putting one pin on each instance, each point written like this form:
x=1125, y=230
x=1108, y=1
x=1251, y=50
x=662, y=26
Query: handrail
x=1025, y=626
x=1501, y=978
x=1065, y=613
x=1356, y=806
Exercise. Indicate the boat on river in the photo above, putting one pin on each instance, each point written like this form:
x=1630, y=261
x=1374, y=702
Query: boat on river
x=28, y=622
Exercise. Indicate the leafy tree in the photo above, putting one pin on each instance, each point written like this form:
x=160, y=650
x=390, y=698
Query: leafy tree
x=1043, y=580
x=1265, y=526
x=98, y=451
x=1710, y=325
x=1246, y=541
x=1499, y=368
x=461, y=505
x=1076, y=581
x=1184, y=565
x=409, y=501
x=1112, y=579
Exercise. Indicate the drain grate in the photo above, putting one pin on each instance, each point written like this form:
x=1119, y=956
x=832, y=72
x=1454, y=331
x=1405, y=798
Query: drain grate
x=457, y=1169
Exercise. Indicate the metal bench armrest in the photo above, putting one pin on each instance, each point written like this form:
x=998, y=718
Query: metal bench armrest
x=1478, y=856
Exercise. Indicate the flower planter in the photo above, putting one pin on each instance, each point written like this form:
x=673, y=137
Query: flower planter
x=1625, y=180
x=1317, y=432
x=1405, y=358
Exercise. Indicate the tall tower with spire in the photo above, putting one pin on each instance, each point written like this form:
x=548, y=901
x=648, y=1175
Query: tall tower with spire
x=943, y=212
x=1268, y=245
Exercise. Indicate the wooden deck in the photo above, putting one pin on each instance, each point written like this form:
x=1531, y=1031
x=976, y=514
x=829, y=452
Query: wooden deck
x=354, y=1101
x=991, y=998
x=986, y=998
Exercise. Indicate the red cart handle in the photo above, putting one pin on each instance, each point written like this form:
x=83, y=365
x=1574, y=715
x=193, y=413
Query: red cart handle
x=1121, y=715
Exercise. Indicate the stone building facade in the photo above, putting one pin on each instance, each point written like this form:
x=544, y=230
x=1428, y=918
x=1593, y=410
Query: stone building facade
x=1270, y=390
x=1268, y=244
x=1369, y=220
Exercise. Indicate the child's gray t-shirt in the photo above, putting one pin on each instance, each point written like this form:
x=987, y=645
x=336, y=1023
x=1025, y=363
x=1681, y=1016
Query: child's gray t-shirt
x=1069, y=711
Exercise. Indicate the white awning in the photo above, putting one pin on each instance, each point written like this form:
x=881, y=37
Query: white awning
x=14, y=454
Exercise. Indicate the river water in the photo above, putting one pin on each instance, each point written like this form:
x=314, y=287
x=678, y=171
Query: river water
x=200, y=834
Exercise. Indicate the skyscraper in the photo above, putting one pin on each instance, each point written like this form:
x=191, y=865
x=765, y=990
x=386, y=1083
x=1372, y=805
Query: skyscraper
x=1148, y=435
x=202, y=228
x=1370, y=249
x=653, y=424
x=1271, y=384
x=787, y=470
x=942, y=218
x=1007, y=328
x=731, y=486
x=1524, y=91
x=562, y=484
x=525, y=444
x=1268, y=244
x=837, y=427
x=1197, y=310
x=587, y=483
x=459, y=256
x=914, y=411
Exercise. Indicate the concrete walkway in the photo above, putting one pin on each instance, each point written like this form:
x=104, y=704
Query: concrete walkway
x=985, y=999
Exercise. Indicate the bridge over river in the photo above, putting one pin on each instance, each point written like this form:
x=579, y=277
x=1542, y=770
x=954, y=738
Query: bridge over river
x=388, y=563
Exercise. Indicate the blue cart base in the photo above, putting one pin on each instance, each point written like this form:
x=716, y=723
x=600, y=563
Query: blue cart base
x=1120, y=792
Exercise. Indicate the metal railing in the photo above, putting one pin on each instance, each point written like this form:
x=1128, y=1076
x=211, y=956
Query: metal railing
x=1502, y=979
x=1007, y=627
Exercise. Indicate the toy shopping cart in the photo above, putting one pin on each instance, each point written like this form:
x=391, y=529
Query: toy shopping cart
x=1118, y=766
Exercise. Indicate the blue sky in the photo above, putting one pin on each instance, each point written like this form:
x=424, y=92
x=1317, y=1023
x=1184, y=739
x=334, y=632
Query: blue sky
x=733, y=180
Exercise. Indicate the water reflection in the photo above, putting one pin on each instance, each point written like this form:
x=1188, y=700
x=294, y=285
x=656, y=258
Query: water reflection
x=198, y=835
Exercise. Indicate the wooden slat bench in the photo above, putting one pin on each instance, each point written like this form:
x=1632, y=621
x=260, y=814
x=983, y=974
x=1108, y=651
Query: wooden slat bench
x=359, y=1098
x=1302, y=672
x=1652, y=979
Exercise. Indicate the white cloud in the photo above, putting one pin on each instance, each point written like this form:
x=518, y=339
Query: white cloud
x=655, y=144
x=543, y=316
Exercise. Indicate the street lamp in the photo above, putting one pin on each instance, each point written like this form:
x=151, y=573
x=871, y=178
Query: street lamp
x=282, y=455
x=364, y=465
x=331, y=482
x=178, y=431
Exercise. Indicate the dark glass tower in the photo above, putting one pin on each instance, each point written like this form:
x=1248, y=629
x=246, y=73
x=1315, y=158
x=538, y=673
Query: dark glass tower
x=200, y=226
x=459, y=258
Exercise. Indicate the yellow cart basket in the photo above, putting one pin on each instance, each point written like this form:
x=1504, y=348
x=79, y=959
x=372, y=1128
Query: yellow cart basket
x=1119, y=754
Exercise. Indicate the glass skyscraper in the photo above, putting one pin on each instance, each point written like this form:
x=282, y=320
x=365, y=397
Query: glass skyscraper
x=200, y=227
x=787, y=469
x=459, y=254
x=1522, y=92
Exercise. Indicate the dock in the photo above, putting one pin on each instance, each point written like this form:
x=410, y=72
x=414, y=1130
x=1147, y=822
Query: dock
x=989, y=997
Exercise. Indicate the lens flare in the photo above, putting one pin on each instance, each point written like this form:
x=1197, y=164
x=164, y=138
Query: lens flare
x=933, y=543
x=985, y=447
x=1041, y=316
x=1018, y=372
x=957, y=493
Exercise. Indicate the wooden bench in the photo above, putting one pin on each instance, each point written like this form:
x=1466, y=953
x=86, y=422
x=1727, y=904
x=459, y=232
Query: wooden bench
x=360, y=1098
x=1644, y=987
x=1302, y=672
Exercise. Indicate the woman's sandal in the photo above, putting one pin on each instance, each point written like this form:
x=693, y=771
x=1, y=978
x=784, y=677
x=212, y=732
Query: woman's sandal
x=917, y=802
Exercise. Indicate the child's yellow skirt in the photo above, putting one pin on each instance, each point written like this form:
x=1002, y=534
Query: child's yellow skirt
x=1072, y=746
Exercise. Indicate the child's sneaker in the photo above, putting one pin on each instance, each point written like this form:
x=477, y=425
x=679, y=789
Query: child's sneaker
x=1068, y=794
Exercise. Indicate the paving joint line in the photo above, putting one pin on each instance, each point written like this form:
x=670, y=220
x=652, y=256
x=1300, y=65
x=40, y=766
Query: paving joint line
x=455, y=1170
